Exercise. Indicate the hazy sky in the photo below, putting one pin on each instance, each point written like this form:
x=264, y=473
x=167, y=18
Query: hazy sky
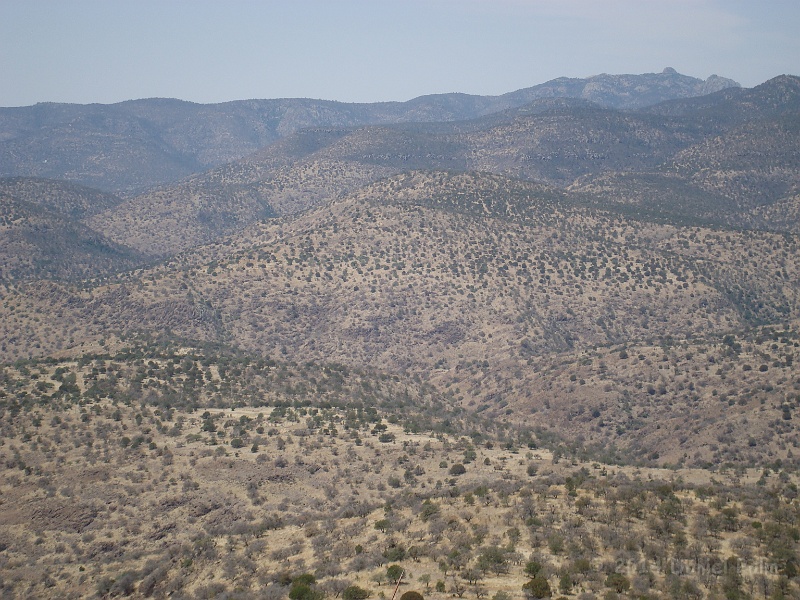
x=369, y=50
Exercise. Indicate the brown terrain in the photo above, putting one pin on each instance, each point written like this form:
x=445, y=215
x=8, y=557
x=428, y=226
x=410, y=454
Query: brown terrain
x=506, y=348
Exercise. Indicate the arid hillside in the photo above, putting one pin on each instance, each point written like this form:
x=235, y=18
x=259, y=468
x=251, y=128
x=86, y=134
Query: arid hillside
x=186, y=472
x=42, y=235
x=712, y=165
x=528, y=346
x=131, y=146
x=480, y=283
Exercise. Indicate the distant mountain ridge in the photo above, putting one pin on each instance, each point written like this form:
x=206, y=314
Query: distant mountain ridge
x=625, y=91
x=562, y=142
x=138, y=144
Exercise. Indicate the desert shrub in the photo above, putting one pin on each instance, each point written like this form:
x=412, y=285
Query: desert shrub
x=355, y=593
x=429, y=509
x=532, y=568
x=618, y=582
x=301, y=591
x=458, y=469
x=304, y=588
x=538, y=587
x=394, y=552
x=393, y=572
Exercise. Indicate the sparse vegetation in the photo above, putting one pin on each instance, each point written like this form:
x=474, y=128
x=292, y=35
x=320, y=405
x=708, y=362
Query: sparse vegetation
x=571, y=373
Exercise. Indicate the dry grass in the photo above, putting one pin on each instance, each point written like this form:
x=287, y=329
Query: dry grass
x=101, y=495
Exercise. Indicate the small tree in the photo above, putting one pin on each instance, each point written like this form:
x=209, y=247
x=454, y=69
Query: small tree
x=355, y=593
x=532, y=568
x=382, y=525
x=301, y=591
x=537, y=588
x=304, y=588
x=618, y=582
x=429, y=509
x=565, y=582
x=394, y=572
x=458, y=469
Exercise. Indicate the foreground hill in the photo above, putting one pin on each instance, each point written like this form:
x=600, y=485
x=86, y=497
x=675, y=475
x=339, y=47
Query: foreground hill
x=143, y=143
x=174, y=470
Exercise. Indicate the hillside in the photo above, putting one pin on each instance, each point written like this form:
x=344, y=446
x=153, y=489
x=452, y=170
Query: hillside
x=715, y=171
x=234, y=477
x=544, y=346
x=62, y=197
x=131, y=146
x=476, y=282
x=37, y=243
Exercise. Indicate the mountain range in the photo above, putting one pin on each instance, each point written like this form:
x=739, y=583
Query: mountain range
x=134, y=145
x=507, y=250
x=491, y=345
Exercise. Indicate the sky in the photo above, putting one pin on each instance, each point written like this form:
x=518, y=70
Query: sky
x=106, y=51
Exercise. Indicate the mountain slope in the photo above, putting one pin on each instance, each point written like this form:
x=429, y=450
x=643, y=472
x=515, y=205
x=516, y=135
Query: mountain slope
x=69, y=199
x=748, y=161
x=38, y=244
x=477, y=282
x=730, y=106
x=139, y=144
x=545, y=142
x=609, y=302
x=690, y=162
x=625, y=91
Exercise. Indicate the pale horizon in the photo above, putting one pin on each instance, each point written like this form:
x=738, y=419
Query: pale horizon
x=359, y=51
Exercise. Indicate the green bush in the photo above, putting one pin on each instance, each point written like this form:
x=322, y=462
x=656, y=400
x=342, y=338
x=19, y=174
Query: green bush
x=393, y=572
x=538, y=587
x=394, y=552
x=355, y=593
x=304, y=588
x=305, y=578
x=532, y=568
x=301, y=591
x=458, y=469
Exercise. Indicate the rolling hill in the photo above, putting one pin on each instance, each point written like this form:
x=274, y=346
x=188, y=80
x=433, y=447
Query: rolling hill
x=544, y=343
x=139, y=144
x=451, y=277
x=42, y=235
x=707, y=169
